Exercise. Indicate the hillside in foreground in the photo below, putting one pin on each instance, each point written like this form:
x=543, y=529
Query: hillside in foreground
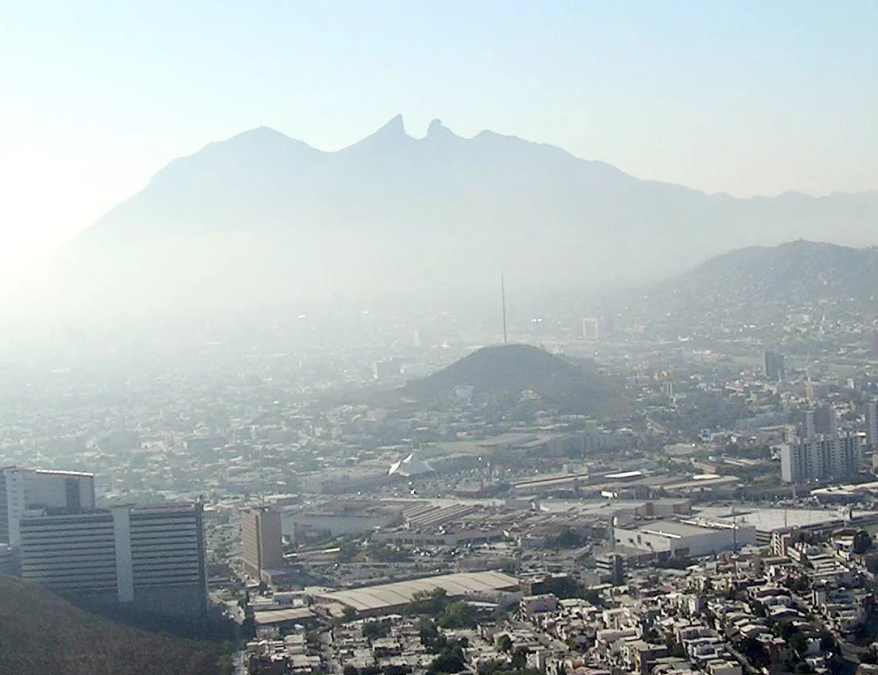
x=42, y=634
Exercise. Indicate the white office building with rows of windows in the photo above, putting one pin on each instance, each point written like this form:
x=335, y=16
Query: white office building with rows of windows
x=150, y=558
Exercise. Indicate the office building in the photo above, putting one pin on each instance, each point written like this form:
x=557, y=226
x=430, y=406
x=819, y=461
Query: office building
x=809, y=427
x=5, y=559
x=611, y=566
x=22, y=490
x=151, y=559
x=873, y=346
x=773, y=366
x=872, y=424
x=825, y=421
x=262, y=543
x=168, y=558
x=821, y=458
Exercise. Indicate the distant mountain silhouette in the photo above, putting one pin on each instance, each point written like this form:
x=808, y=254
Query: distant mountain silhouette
x=508, y=370
x=262, y=217
x=819, y=271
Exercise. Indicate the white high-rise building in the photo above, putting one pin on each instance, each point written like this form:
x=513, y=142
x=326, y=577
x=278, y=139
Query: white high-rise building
x=150, y=558
x=821, y=458
x=22, y=490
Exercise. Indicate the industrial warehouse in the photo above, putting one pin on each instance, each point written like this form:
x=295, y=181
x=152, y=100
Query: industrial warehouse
x=387, y=598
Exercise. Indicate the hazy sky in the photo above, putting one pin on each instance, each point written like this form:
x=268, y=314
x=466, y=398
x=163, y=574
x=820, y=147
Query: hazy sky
x=746, y=97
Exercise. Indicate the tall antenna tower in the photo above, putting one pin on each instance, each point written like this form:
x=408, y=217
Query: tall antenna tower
x=734, y=530
x=503, y=298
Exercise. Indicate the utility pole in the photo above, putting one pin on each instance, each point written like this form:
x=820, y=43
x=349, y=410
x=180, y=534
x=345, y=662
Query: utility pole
x=734, y=531
x=503, y=299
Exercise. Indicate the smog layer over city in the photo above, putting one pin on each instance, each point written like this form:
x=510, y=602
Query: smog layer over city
x=499, y=338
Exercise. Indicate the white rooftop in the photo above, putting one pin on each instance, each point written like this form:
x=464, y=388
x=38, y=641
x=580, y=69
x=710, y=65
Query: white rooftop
x=400, y=593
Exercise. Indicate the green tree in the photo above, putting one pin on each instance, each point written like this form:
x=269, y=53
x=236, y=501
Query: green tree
x=457, y=615
x=652, y=637
x=431, y=638
x=505, y=643
x=799, y=643
x=450, y=660
x=785, y=630
x=594, y=597
x=754, y=651
x=862, y=542
x=519, y=659
x=828, y=643
x=372, y=630
x=348, y=551
x=431, y=603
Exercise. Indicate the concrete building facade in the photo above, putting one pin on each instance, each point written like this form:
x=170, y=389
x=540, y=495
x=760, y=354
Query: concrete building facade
x=821, y=458
x=872, y=423
x=773, y=366
x=671, y=538
x=262, y=541
x=151, y=559
x=22, y=490
x=5, y=559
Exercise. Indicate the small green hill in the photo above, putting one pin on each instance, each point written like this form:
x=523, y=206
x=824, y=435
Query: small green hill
x=574, y=387
x=42, y=634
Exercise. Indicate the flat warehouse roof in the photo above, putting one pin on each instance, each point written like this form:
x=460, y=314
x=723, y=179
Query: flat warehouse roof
x=400, y=593
x=770, y=519
x=668, y=528
x=271, y=616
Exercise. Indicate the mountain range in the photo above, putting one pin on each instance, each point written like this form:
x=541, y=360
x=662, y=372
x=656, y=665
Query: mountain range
x=265, y=218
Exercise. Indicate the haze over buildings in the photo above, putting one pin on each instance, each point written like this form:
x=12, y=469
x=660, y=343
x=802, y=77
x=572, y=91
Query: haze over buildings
x=224, y=224
x=575, y=381
x=406, y=183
